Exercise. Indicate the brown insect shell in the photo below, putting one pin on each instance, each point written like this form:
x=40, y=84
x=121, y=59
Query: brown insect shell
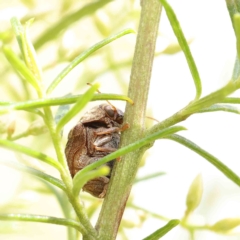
x=80, y=150
x=76, y=148
x=103, y=115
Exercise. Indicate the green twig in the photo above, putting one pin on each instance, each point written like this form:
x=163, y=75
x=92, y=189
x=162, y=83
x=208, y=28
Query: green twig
x=232, y=100
x=124, y=172
x=22, y=68
x=66, y=21
x=66, y=177
x=209, y=157
x=84, y=55
x=197, y=106
x=220, y=107
x=162, y=231
x=34, y=172
x=38, y=103
x=43, y=219
x=83, y=177
x=184, y=45
x=132, y=147
x=78, y=106
x=30, y=152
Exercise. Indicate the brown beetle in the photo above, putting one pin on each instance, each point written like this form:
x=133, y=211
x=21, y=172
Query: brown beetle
x=95, y=135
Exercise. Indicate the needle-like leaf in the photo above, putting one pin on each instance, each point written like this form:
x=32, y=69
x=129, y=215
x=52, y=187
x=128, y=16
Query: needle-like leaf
x=34, y=172
x=84, y=55
x=184, y=45
x=209, y=157
x=81, y=178
x=134, y=146
x=30, y=152
x=43, y=219
x=163, y=230
x=79, y=105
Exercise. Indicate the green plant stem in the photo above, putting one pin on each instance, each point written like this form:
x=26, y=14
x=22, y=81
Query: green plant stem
x=65, y=21
x=38, y=103
x=209, y=157
x=124, y=171
x=231, y=100
x=83, y=56
x=184, y=46
x=233, y=9
x=162, y=231
x=42, y=219
x=197, y=106
x=66, y=177
x=34, y=172
x=30, y=152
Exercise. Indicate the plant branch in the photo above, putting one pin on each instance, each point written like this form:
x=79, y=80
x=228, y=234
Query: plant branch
x=42, y=219
x=38, y=103
x=124, y=171
x=197, y=106
x=66, y=177
x=34, y=172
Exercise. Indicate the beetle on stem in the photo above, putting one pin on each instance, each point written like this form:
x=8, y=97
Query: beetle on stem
x=95, y=135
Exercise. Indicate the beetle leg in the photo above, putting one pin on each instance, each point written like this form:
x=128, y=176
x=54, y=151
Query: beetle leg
x=113, y=129
x=105, y=149
x=108, y=131
x=100, y=142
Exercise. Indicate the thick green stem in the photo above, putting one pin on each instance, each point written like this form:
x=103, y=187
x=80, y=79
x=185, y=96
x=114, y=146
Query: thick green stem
x=125, y=170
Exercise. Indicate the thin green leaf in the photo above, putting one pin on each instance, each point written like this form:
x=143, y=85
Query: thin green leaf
x=38, y=103
x=30, y=152
x=26, y=47
x=212, y=98
x=18, y=30
x=232, y=100
x=61, y=111
x=66, y=208
x=35, y=172
x=184, y=45
x=150, y=176
x=196, y=106
x=79, y=105
x=233, y=7
x=210, y=158
x=43, y=219
x=236, y=24
x=21, y=67
x=220, y=107
x=81, y=178
x=66, y=21
x=236, y=70
x=29, y=53
x=84, y=55
x=162, y=231
x=134, y=146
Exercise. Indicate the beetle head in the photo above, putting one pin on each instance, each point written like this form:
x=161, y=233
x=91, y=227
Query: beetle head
x=113, y=113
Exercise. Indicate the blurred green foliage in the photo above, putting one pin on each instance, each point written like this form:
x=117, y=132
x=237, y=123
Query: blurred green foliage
x=61, y=31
